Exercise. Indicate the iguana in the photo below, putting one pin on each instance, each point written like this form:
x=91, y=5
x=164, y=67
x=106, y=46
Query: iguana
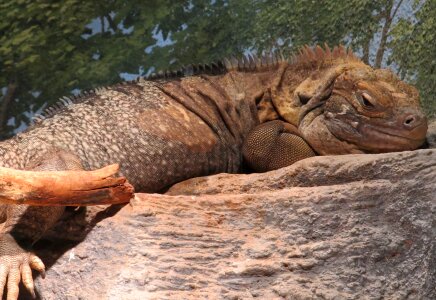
x=204, y=120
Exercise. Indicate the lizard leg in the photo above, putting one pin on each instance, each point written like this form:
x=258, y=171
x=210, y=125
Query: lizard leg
x=24, y=225
x=273, y=145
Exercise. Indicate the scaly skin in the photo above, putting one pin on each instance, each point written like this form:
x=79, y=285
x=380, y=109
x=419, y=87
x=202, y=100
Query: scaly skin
x=168, y=130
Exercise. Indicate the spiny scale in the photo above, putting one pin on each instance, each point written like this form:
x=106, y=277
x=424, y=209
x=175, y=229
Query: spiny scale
x=247, y=63
x=244, y=63
x=62, y=103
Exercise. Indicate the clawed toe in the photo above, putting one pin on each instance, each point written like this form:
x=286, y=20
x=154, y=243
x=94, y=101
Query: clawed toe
x=15, y=265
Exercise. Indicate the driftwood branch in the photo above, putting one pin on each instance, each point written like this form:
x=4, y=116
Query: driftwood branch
x=53, y=188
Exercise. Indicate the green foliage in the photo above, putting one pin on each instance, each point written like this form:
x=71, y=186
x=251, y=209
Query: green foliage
x=35, y=46
x=414, y=52
x=308, y=22
x=204, y=31
x=49, y=48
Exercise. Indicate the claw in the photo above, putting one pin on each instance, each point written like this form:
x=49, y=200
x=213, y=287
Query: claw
x=16, y=264
x=3, y=277
x=26, y=277
x=36, y=263
x=13, y=283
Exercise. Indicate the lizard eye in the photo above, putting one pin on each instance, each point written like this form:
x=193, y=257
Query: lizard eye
x=366, y=100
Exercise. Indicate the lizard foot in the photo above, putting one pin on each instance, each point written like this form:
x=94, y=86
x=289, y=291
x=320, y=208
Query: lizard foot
x=16, y=264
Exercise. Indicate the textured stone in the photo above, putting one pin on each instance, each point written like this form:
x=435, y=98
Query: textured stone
x=342, y=227
x=431, y=134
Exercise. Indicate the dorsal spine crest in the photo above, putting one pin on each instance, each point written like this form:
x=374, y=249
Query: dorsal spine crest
x=245, y=63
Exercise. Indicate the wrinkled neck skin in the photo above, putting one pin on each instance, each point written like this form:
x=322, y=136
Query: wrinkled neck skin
x=227, y=102
x=260, y=93
x=253, y=90
x=315, y=131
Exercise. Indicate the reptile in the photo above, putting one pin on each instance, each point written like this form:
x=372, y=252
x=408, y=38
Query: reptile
x=262, y=113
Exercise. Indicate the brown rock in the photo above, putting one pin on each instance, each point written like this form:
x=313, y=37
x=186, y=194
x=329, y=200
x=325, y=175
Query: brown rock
x=431, y=134
x=342, y=227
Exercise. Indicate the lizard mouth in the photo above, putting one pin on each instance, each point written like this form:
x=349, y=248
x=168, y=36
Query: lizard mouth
x=394, y=133
x=375, y=138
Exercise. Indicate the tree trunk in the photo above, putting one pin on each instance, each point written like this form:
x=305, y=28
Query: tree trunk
x=366, y=47
x=4, y=109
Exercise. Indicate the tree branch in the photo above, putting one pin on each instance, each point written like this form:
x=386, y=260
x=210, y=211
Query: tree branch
x=386, y=27
x=396, y=9
x=63, y=188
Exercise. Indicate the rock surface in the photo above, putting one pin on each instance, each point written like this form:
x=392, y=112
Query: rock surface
x=345, y=227
x=431, y=134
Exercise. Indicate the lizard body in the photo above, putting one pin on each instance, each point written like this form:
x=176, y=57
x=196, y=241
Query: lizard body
x=162, y=131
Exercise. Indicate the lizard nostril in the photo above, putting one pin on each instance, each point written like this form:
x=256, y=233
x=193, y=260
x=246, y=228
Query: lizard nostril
x=409, y=120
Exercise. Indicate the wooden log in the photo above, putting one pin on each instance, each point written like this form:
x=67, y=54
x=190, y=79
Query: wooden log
x=64, y=188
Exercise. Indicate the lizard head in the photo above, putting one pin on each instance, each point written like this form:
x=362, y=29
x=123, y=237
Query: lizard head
x=348, y=107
